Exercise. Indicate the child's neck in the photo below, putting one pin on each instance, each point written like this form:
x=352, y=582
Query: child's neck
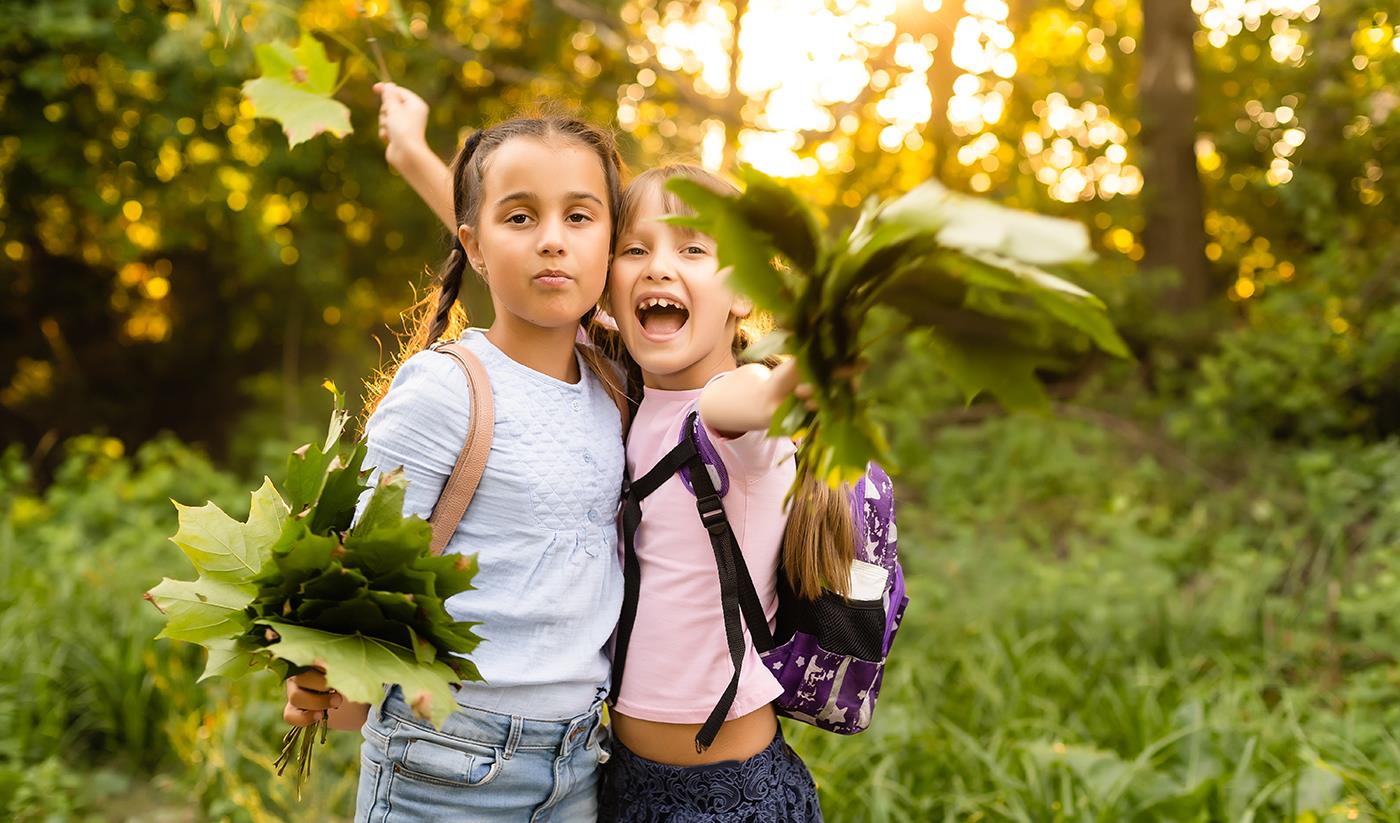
x=549, y=351
x=694, y=376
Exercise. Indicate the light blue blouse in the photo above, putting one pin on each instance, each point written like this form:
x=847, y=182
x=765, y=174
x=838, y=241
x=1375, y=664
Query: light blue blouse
x=542, y=522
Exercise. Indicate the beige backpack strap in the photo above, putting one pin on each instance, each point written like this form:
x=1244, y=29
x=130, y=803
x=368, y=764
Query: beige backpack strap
x=471, y=463
x=602, y=369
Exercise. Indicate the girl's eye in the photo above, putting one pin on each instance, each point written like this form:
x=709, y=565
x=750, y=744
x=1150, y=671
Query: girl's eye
x=635, y=251
x=696, y=250
x=582, y=218
x=518, y=219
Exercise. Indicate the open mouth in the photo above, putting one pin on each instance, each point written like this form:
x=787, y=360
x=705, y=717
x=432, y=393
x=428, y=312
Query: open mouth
x=661, y=317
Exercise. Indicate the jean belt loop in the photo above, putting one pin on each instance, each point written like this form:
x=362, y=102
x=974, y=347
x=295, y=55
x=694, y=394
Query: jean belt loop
x=517, y=725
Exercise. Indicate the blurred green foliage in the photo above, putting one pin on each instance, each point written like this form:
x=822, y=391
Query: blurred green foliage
x=1096, y=633
x=170, y=264
x=89, y=689
x=1172, y=599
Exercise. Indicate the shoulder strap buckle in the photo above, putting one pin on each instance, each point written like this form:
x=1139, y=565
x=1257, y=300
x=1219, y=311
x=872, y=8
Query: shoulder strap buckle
x=712, y=513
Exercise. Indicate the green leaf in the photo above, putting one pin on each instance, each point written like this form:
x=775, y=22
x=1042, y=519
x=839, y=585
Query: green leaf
x=453, y=572
x=745, y=251
x=407, y=579
x=384, y=540
x=295, y=90
x=772, y=344
x=228, y=657
x=778, y=212
x=307, y=470
x=357, y=614
x=1059, y=298
x=335, y=583
x=399, y=606
x=466, y=670
x=1004, y=369
x=335, y=508
x=974, y=225
x=224, y=549
x=200, y=610
x=358, y=667
x=300, y=555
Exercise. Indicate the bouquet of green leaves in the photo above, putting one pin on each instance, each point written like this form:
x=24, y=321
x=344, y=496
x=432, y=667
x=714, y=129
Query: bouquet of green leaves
x=965, y=271
x=297, y=586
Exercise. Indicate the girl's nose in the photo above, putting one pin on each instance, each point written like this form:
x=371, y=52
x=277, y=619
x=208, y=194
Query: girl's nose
x=659, y=270
x=551, y=240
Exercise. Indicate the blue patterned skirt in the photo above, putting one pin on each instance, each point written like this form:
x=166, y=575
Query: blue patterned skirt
x=773, y=786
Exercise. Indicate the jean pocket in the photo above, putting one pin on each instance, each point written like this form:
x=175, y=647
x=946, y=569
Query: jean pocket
x=445, y=762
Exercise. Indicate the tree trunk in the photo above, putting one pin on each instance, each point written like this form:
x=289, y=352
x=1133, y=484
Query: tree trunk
x=731, y=128
x=1175, y=234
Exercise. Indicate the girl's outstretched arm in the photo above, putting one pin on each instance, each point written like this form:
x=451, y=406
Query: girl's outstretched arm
x=745, y=399
x=403, y=120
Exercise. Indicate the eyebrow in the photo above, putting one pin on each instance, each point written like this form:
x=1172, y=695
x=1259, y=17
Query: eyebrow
x=525, y=196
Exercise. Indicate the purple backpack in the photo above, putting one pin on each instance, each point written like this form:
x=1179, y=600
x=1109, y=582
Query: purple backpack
x=828, y=654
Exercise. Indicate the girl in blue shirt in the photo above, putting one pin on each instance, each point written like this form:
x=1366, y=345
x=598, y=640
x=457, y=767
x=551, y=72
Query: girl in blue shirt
x=534, y=204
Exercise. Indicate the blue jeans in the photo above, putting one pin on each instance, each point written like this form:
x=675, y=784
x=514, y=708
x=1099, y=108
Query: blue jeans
x=481, y=766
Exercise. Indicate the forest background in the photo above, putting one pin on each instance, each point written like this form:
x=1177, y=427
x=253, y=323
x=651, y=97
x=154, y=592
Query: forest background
x=1172, y=597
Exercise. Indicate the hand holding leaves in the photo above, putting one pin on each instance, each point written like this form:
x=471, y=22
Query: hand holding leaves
x=964, y=269
x=297, y=586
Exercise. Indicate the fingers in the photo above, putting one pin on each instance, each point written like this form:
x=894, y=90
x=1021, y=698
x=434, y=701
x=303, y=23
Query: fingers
x=299, y=717
x=312, y=680
x=312, y=702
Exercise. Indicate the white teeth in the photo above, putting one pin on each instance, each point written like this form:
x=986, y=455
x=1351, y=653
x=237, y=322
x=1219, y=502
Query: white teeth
x=653, y=302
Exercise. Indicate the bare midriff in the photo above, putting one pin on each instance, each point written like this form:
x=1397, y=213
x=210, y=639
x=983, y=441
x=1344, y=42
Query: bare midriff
x=674, y=743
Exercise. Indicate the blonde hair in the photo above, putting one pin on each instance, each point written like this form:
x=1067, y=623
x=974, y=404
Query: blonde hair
x=819, y=539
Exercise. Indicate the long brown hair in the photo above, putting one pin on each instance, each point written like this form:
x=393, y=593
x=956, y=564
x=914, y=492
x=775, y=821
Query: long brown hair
x=439, y=314
x=819, y=540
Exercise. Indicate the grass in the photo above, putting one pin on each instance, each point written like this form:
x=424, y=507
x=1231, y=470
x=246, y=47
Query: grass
x=1091, y=637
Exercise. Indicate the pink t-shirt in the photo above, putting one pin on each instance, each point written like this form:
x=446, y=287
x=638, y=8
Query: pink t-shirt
x=678, y=660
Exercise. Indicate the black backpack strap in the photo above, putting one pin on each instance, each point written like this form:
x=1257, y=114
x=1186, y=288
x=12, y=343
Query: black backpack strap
x=632, y=495
x=707, y=501
x=738, y=596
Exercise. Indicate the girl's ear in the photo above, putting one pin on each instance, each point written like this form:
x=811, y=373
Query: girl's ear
x=467, y=237
x=741, y=308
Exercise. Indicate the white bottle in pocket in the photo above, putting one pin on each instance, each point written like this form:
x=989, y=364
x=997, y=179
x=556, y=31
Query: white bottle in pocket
x=868, y=580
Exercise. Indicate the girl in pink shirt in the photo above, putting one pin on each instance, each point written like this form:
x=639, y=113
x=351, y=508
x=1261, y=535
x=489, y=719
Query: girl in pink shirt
x=678, y=756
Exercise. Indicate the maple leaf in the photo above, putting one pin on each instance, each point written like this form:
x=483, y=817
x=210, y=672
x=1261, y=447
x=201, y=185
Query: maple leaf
x=224, y=549
x=203, y=609
x=296, y=585
x=359, y=666
x=296, y=89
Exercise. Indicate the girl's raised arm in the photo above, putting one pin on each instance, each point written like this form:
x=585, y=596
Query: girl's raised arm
x=745, y=399
x=403, y=121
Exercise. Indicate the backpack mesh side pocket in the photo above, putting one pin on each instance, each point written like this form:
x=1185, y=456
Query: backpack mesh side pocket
x=846, y=627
